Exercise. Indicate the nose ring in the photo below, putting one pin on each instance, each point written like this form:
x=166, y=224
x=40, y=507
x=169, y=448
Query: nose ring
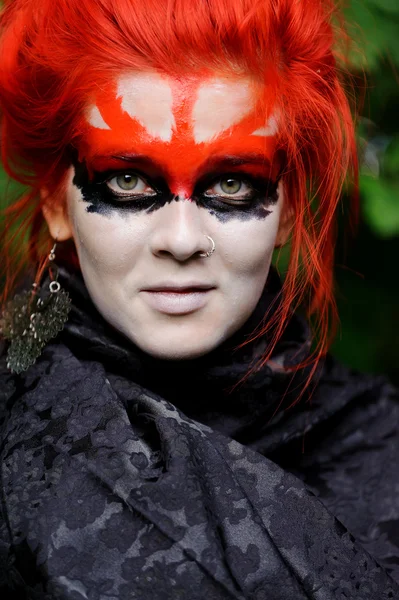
x=211, y=251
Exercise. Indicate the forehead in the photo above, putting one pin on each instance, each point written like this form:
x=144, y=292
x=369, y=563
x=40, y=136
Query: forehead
x=150, y=112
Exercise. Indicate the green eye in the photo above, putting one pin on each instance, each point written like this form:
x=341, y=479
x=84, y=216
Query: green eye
x=129, y=185
x=230, y=186
x=126, y=182
x=231, y=190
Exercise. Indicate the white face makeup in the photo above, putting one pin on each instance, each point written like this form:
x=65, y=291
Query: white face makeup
x=157, y=176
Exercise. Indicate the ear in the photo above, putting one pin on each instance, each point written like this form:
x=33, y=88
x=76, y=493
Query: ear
x=285, y=225
x=56, y=214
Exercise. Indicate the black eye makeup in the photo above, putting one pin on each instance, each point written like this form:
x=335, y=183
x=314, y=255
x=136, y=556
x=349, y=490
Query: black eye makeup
x=224, y=195
x=237, y=195
x=112, y=191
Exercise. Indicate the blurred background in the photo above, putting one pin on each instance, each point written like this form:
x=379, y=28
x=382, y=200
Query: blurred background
x=367, y=271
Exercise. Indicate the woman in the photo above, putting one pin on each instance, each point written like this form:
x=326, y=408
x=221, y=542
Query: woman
x=168, y=429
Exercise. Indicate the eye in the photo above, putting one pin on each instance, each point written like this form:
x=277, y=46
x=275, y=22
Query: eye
x=129, y=184
x=233, y=188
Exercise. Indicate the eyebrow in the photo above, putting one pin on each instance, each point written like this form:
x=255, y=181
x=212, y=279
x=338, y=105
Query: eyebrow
x=136, y=158
x=237, y=160
x=213, y=161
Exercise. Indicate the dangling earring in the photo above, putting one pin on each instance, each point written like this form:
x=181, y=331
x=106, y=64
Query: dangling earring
x=33, y=318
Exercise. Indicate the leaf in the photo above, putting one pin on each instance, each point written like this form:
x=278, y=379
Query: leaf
x=390, y=163
x=381, y=205
x=390, y=6
x=375, y=32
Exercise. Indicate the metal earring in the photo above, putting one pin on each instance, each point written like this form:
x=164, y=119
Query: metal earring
x=34, y=317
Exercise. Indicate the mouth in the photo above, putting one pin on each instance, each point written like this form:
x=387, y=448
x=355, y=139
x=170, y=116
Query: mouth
x=180, y=289
x=177, y=300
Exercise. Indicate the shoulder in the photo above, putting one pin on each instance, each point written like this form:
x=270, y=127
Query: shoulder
x=352, y=460
x=8, y=384
x=359, y=411
x=56, y=374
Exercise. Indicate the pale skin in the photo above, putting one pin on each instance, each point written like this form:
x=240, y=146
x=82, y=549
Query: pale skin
x=164, y=164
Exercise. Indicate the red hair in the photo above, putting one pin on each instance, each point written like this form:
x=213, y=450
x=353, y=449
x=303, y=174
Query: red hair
x=56, y=53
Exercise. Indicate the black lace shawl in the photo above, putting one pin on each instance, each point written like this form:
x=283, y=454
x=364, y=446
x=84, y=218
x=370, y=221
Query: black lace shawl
x=124, y=477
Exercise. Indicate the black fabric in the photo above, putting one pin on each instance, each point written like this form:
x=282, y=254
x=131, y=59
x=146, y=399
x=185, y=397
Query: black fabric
x=125, y=477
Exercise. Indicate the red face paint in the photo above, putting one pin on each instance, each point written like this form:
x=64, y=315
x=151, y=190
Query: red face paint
x=164, y=131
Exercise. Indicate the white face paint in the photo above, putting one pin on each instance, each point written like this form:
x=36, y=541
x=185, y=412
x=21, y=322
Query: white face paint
x=136, y=246
x=149, y=101
x=212, y=114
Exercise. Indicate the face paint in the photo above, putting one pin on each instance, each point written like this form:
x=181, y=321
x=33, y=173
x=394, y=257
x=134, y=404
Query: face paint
x=103, y=200
x=163, y=163
x=181, y=126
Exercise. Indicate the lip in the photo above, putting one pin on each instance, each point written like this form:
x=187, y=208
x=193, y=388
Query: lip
x=189, y=286
x=177, y=301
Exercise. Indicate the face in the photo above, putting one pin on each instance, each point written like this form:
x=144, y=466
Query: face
x=163, y=164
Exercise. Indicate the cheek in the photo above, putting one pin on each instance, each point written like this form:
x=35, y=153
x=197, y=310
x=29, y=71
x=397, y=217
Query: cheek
x=247, y=246
x=108, y=245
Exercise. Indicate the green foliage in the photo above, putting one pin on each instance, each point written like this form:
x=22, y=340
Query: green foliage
x=374, y=23
x=376, y=26
x=9, y=189
x=380, y=205
x=380, y=191
x=368, y=289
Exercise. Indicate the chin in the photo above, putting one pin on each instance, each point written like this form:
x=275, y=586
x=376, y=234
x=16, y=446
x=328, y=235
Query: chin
x=191, y=347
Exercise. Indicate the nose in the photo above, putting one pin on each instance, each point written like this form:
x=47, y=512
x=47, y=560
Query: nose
x=179, y=231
